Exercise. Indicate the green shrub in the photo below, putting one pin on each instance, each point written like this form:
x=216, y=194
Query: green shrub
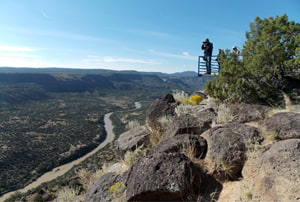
x=269, y=64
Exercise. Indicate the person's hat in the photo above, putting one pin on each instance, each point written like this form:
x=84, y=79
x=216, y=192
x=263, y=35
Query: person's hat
x=233, y=47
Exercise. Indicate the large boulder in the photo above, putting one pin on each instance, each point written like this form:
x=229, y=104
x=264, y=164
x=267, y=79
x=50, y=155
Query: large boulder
x=99, y=190
x=191, y=124
x=195, y=143
x=160, y=108
x=227, y=145
x=285, y=125
x=274, y=174
x=162, y=177
x=130, y=140
x=244, y=113
x=250, y=134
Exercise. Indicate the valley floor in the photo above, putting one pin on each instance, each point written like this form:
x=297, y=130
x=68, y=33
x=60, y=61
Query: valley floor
x=58, y=171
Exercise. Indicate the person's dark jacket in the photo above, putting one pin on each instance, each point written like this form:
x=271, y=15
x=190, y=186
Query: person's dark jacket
x=208, y=48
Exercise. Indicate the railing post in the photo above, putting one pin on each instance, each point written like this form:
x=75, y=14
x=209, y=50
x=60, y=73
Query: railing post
x=209, y=64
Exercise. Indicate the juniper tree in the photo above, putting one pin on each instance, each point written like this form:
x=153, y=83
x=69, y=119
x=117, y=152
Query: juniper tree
x=270, y=60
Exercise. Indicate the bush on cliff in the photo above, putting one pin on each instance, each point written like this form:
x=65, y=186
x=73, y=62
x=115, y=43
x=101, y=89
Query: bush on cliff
x=270, y=62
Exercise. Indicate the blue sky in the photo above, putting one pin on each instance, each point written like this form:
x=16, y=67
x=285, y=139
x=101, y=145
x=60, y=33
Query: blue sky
x=142, y=35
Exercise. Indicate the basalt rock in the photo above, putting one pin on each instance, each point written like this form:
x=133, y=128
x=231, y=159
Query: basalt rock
x=163, y=107
x=99, y=190
x=132, y=139
x=194, y=143
x=285, y=125
x=274, y=175
x=162, y=177
x=191, y=124
x=244, y=113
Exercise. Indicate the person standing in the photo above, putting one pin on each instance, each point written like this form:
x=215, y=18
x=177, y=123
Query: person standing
x=236, y=51
x=218, y=58
x=207, y=46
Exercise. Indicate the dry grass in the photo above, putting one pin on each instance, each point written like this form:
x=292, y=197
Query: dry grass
x=227, y=169
x=289, y=107
x=165, y=121
x=132, y=124
x=269, y=136
x=68, y=195
x=131, y=156
x=252, y=148
x=224, y=115
x=189, y=149
x=155, y=138
x=180, y=95
x=87, y=178
x=182, y=109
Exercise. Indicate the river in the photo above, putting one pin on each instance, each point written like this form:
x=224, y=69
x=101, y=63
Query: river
x=58, y=171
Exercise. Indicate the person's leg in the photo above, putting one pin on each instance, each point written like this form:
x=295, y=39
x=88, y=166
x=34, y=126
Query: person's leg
x=209, y=65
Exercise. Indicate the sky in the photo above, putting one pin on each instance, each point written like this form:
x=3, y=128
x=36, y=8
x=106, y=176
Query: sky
x=143, y=35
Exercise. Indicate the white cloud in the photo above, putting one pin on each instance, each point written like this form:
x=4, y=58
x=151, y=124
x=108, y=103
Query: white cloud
x=15, y=49
x=22, y=62
x=17, y=52
x=19, y=55
x=184, y=55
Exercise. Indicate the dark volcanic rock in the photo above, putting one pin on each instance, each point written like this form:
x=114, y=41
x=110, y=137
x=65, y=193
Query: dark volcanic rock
x=191, y=124
x=161, y=177
x=250, y=134
x=163, y=107
x=225, y=154
x=131, y=139
x=227, y=145
x=286, y=125
x=274, y=175
x=244, y=113
x=99, y=191
x=196, y=143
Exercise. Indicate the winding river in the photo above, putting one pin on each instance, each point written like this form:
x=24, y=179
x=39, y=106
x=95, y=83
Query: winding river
x=58, y=171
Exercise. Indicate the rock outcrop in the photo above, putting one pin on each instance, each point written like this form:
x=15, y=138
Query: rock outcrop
x=274, y=175
x=229, y=162
x=191, y=124
x=131, y=140
x=162, y=176
x=176, y=144
x=285, y=125
x=243, y=112
x=99, y=190
x=160, y=108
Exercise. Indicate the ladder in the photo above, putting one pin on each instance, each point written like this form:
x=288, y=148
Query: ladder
x=203, y=65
